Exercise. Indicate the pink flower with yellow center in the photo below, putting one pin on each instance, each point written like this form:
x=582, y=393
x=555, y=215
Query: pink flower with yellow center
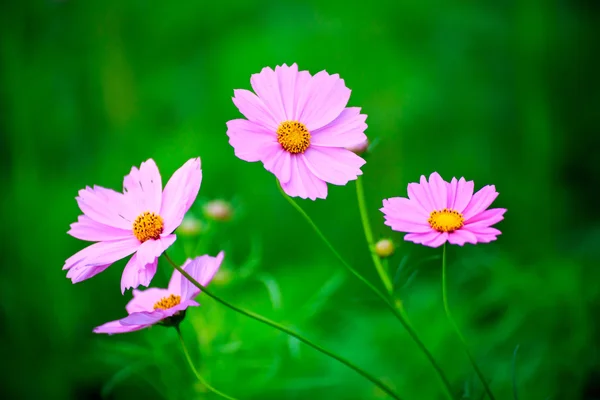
x=167, y=306
x=298, y=126
x=139, y=221
x=439, y=211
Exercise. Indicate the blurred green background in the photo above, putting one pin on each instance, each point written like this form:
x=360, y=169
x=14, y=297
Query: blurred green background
x=504, y=93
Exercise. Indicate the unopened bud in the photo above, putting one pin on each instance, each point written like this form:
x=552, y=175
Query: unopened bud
x=359, y=148
x=190, y=226
x=218, y=210
x=384, y=248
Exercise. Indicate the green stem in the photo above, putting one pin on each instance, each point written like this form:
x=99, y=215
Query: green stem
x=386, y=300
x=383, y=274
x=283, y=329
x=380, y=265
x=200, y=378
x=455, y=327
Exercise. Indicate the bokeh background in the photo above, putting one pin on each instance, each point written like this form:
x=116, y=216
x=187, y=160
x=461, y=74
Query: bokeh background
x=504, y=93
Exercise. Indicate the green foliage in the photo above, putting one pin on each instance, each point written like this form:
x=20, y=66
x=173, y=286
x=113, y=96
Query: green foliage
x=492, y=91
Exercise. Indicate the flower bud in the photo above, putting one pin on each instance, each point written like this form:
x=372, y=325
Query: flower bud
x=190, y=226
x=384, y=248
x=359, y=148
x=218, y=210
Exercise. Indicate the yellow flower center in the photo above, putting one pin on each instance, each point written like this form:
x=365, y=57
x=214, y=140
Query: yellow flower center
x=293, y=136
x=167, y=302
x=446, y=220
x=148, y=225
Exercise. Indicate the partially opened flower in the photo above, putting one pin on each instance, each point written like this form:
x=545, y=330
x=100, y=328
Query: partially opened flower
x=140, y=220
x=166, y=306
x=298, y=126
x=438, y=211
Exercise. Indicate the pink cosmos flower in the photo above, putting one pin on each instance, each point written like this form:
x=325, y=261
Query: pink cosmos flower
x=438, y=211
x=140, y=220
x=167, y=306
x=298, y=126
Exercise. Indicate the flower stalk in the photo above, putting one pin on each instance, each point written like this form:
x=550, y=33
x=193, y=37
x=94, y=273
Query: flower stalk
x=398, y=314
x=195, y=371
x=457, y=330
x=283, y=329
x=364, y=217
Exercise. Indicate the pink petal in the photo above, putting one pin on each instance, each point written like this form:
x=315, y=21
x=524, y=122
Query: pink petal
x=87, y=229
x=180, y=193
x=322, y=100
x=463, y=195
x=249, y=140
x=291, y=86
x=438, y=191
x=142, y=266
x=428, y=192
x=288, y=78
x=144, y=300
x=278, y=161
x=405, y=226
x=451, y=191
x=480, y=201
x=422, y=238
x=143, y=187
x=266, y=86
x=255, y=110
x=106, y=207
x=184, y=305
x=136, y=273
x=144, y=318
x=303, y=183
x=486, y=238
x=486, y=218
x=346, y=130
x=191, y=303
x=418, y=192
x=152, y=317
x=333, y=165
x=315, y=187
x=462, y=236
x=100, y=254
x=81, y=273
x=403, y=208
x=303, y=80
x=151, y=249
x=484, y=234
x=405, y=215
x=116, y=327
x=483, y=230
x=437, y=241
x=202, y=269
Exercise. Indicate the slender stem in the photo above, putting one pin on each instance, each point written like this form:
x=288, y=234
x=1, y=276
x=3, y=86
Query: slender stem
x=379, y=294
x=383, y=274
x=200, y=378
x=283, y=329
x=386, y=266
x=380, y=265
x=455, y=327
